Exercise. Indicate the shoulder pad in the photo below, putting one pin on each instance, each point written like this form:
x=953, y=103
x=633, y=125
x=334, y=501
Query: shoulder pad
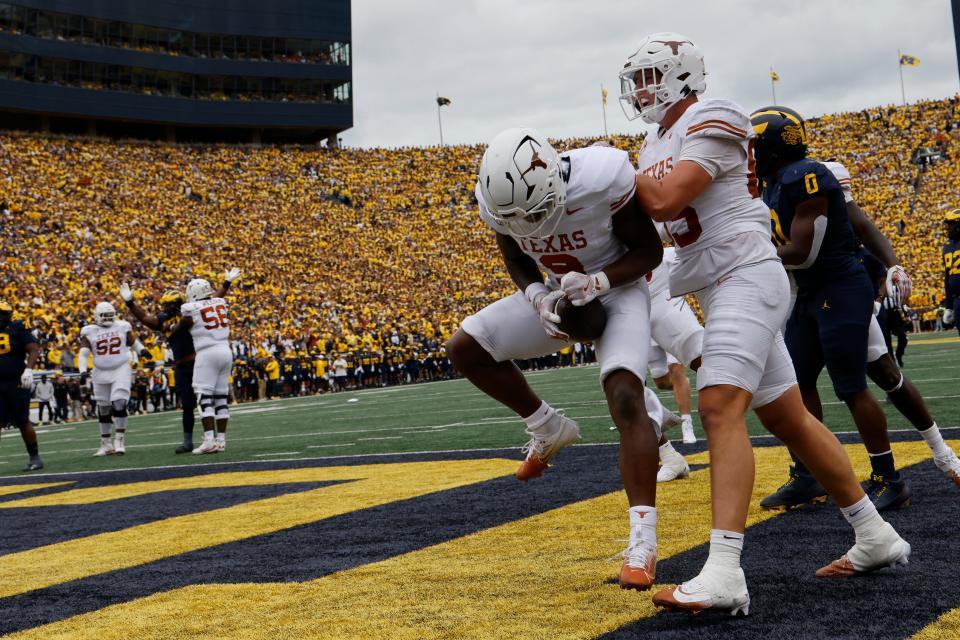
x=593, y=170
x=840, y=173
x=719, y=119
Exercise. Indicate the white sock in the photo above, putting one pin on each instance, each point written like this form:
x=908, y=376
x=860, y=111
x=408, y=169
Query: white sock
x=643, y=525
x=222, y=438
x=105, y=439
x=686, y=417
x=539, y=417
x=863, y=517
x=120, y=436
x=725, y=549
x=208, y=436
x=935, y=441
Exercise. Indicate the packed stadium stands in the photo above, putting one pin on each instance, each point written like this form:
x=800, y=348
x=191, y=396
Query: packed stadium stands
x=350, y=250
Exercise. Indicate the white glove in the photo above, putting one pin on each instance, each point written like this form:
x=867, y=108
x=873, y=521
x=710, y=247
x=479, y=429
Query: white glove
x=26, y=379
x=545, y=305
x=581, y=289
x=948, y=316
x=899, y=284
x=232, y=275
x=126, y=292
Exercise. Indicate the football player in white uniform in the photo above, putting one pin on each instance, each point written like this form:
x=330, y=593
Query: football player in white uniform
x=573, y=216
x=881, y=367
x=110, y=341
x=697, y=175
x=208, y=321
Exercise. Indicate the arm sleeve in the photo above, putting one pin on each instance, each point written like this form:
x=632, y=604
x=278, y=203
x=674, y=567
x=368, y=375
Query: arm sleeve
x=715, y=155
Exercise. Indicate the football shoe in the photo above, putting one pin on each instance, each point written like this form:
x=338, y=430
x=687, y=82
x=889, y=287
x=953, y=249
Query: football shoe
x=886, y=549
x=558, y=432
x=639, y=568
x=34, y=464
x=686, y=428
x=718, y=588
x=119, y=447
x=106, y=449
x=799, y=489
x=184, y=448
x=888, y=492
x=950, y=465
x=208, y=446
x=673, y=466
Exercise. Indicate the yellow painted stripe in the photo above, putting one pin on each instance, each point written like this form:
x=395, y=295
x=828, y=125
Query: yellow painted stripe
x=946, y=627
x=953, y=340
x=10, y=489
x=371, y=485
x=546, y=576
x=94, y=495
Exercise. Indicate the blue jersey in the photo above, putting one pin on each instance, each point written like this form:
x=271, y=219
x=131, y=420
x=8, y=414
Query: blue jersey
x=951, y=272
x=180, y=341
x=796, y=183
x=13, y=351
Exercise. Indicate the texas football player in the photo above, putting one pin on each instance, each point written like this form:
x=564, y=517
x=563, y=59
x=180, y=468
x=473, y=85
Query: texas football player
x=697, y=176
x=573, y=216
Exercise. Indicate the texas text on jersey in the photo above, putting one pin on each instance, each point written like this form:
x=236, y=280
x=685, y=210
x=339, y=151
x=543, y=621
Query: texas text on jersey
x=599, y=182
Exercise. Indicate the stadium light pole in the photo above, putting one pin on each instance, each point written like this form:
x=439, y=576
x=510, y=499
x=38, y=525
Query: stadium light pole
x=441, y=102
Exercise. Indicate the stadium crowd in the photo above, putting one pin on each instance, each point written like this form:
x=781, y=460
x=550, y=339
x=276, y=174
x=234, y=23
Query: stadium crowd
x=350, y=252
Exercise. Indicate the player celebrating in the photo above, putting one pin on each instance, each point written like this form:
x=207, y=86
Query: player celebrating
x=573, y=215
x=884, y=489
x=181, y=343
x=205, y=316
x=697, y=176
x=110, y=341
x=18, y=355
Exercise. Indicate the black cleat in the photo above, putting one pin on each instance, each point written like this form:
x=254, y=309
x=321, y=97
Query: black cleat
x=184, y=449
x=888, y=492
x=799, y=489
x=35, y=464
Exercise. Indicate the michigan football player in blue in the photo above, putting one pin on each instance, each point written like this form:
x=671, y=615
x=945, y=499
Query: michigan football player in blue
x=18, y=355
x=830, y=321
x=951, y=268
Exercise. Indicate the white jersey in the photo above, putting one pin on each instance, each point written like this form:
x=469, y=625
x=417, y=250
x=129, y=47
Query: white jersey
x=843, y=177
x=600, y=181
x=108, y=344
x=709, y=233
x=211, y=323
x=659, y=279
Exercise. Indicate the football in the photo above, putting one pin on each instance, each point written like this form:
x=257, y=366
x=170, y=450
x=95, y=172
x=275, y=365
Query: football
x=582, y=324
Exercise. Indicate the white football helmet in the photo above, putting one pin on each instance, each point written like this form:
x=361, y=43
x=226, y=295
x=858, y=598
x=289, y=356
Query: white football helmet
x=198, y=289
x=104, y=314
x=680, y=64
x=521, y=183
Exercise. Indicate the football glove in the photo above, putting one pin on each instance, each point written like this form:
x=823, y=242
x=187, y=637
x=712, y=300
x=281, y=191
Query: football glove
x=232, y=275
x=26, y=378
x=126, y=292
x=581, y=289
x=545, y=303
x=899, y=284
x=948, y=316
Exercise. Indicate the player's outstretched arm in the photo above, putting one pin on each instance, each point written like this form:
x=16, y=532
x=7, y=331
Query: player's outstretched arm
x=807, y=231
x=228, y=279
x=663, y=200
x=148, y=320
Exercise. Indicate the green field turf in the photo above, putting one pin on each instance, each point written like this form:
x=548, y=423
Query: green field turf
x=426, y=417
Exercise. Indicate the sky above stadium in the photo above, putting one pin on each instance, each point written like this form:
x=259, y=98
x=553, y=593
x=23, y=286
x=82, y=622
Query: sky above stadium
x=540, y=63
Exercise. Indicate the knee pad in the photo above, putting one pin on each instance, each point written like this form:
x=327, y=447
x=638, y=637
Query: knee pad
x=104, y=411
x=220, y=407
x=206, y=406
x=119, y=408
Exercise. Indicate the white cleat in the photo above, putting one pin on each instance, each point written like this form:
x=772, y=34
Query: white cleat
x=119, y=447
x=559, y=432
x=106, y=449
x=950, y=465
x=208, y=446
x=221, y=447
x=715, y=588
x=887, y=549
x=689, y=437
x=673, y=467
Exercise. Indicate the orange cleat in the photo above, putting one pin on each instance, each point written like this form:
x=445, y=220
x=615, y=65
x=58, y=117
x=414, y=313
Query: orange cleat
x=562, y=431
x=886, y=549
x=724, y=591
x=639, y=568
x=840, y=568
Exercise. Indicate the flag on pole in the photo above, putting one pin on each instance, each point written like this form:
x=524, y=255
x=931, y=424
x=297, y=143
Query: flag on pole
x=443, y=102
x=773, y=75
x=909, y=61
x=603, y=93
